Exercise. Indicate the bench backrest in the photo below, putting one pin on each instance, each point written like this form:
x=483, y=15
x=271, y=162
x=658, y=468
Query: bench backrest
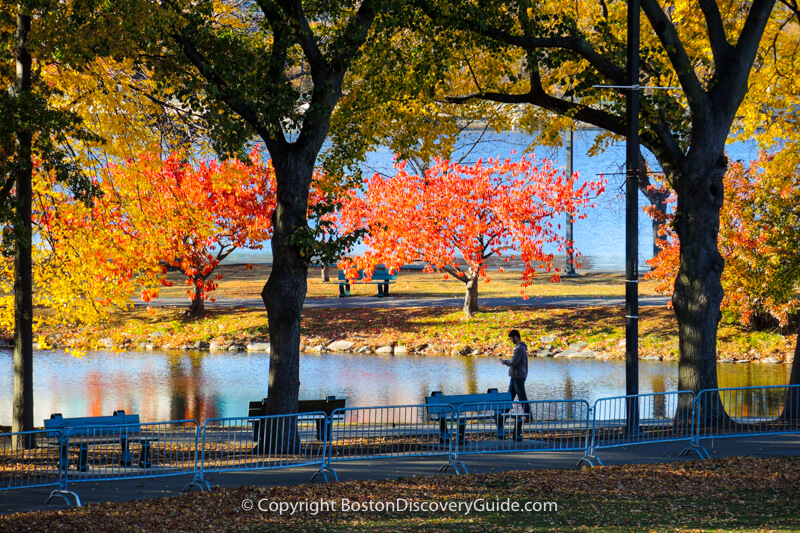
x=327, y=406
x=96, y=424
x=379, y=274
x=438, y=403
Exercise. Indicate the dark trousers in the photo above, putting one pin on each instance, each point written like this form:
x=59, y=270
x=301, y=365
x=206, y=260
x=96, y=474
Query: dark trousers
x=517, y=388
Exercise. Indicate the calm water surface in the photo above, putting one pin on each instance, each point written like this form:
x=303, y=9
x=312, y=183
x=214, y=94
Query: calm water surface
x=175, y=385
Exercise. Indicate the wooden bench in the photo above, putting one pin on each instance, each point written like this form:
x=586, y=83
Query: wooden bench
x=492, y=405
x=88, y=428
x=380, y=276
x=327, y=406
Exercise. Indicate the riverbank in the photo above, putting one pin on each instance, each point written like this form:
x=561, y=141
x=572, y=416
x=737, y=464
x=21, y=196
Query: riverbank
x=588, y=332
x=592, y=332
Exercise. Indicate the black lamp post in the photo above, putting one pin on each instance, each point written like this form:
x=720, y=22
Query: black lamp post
x=632, y=220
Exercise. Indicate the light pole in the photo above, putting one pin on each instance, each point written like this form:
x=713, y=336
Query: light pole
x=632, y=220
x=570, y=266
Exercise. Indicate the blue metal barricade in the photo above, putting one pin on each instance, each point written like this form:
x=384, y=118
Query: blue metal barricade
x=746, y=411
x=360, y=433
x=641, y=419
x=262, y=443
x=127, y=451
x=31, y=459
x=547, y=425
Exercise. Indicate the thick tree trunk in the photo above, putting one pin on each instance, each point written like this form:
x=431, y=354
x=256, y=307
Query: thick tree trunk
x=326, y=273
x=698, y=287
x=471, y=297
x=285, y=292
x=22, y=418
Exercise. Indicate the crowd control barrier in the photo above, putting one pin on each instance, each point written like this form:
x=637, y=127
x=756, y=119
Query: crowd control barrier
x=359, y=433
x=746, y=411
x=640, y=419
x=128, y=451
x=30, y=459
x=498, y=427
x=261, y=443
x=59, y=458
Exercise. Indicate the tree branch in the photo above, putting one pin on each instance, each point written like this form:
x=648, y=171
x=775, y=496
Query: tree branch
x=305, y=35
x=792, y=6
x=7, y=186
x=731, y=85
x=580, y=46
x=355, y=34
x=720, y=47
x=456, y=273
x=578, y=112
x=207, y=71
x=668, y=35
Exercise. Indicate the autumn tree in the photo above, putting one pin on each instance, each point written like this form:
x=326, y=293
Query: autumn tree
x=273, y=70
x=563, y=56
x=32, y=129
x=455, y=217
x=759, y=241
x=189, y=217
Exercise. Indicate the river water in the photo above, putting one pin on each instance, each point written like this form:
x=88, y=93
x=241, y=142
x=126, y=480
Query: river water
x=600, y=237
x=201, y=385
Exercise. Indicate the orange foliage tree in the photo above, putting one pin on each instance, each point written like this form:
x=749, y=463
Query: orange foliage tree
x=455, y=217
x=154, y=214
x=759, y=240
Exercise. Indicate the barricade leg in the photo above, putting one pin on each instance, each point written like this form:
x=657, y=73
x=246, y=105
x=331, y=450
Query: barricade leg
x=83, y=457
x=64, y=494
x=125, y=458
x=144, y=454
x=501, y=427
x=322, y=472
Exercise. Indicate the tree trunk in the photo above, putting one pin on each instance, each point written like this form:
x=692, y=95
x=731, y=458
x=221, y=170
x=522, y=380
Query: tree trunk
x=698, y=287
x=198, y=305
x=658, y=199
x=22, y=419
x=285, y=291
x=326, y=273
x=791, y=409
x=471, y=297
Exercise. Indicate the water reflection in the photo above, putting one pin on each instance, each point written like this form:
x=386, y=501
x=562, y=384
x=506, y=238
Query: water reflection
x=176, y=385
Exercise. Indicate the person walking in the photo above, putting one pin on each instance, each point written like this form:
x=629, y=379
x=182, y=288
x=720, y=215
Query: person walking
x=518, y=370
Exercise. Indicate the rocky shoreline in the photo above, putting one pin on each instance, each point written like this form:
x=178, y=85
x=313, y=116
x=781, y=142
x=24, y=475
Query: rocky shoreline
x=546, y=346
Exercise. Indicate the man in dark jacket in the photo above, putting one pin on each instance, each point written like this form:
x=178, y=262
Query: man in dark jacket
x=518, y=369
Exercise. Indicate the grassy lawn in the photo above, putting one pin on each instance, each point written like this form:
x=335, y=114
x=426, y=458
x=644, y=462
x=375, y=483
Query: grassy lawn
x=737, y=494
x=239, y=282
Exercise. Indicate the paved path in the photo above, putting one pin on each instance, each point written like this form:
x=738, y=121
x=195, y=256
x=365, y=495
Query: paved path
x=559, y=302
x=24, y=500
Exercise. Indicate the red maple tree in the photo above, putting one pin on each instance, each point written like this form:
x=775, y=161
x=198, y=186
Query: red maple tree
x=455, y=217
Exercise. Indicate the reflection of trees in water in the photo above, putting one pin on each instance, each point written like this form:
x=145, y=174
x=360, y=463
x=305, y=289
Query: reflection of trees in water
x=754, y=403
x=186, y=388
x=757, y=402
x=569, y=388
x=657, y=384
x=470, y=376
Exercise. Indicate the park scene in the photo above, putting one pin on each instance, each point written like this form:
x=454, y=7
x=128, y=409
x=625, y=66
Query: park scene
x=293, y=265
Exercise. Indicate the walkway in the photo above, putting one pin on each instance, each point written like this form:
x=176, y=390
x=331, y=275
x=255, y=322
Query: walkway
x=25, y=500
x=558, y=302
